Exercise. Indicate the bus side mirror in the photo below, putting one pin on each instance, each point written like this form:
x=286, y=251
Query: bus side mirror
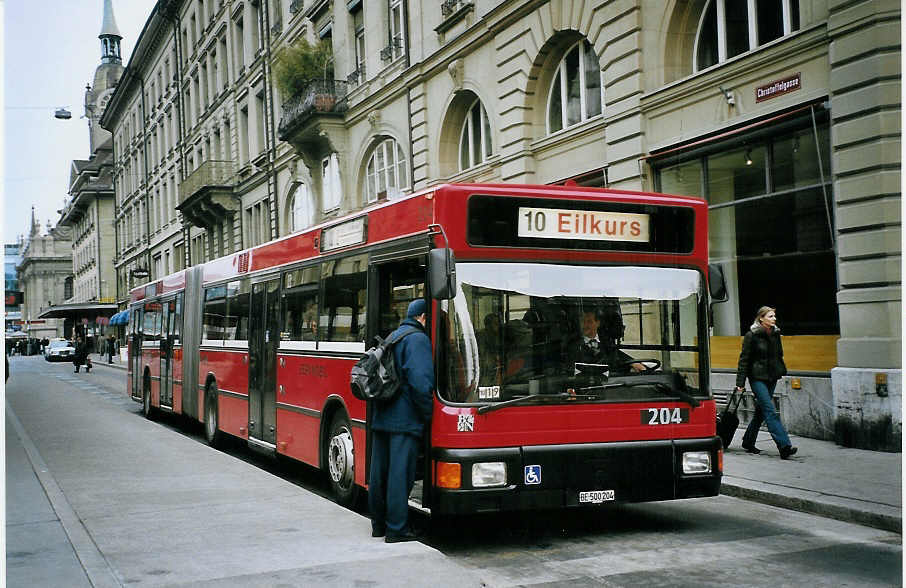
x=717, y=286
x=442, y=273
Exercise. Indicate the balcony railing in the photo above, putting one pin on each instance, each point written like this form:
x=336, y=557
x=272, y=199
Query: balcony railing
x=357, y=77
x=210, y=173
x=319, y=96
x=295, y=6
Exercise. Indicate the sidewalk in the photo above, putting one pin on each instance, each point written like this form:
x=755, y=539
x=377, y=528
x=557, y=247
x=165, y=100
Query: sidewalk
x=853, y=485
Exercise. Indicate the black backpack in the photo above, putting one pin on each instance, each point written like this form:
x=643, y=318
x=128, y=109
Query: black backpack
x=375, y=377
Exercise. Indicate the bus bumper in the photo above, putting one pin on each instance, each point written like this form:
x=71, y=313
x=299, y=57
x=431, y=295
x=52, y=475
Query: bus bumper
x=588, y=474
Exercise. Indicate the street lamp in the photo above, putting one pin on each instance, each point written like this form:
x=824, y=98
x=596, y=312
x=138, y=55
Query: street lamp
x=62, y=113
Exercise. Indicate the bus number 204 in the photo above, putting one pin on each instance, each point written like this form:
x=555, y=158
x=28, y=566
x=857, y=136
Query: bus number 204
x=665, y=416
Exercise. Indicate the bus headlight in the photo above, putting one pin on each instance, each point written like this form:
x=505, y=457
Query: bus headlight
x=487, y=474
x=697, y=462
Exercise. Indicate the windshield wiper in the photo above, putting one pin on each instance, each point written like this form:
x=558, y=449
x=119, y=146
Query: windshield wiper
x=533, y=397
x=678, y=392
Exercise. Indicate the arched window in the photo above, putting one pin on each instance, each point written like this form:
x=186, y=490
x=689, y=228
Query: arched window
x=475, y=138
x=576, y=91
x=385, y=174
x=731, y=27
x=332, y=189
x=301, y=209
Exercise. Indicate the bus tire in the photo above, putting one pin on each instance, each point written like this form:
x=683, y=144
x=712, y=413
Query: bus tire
x=147, y=409
x=341, y=460
x=212, y=433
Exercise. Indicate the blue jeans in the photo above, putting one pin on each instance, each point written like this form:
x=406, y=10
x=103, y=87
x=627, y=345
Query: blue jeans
x=393, y=459
x=765, y=412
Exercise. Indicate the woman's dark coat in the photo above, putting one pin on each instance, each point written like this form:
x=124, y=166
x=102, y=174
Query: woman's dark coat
x=761, y=357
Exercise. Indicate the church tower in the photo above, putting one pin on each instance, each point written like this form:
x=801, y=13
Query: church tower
x=106, y=76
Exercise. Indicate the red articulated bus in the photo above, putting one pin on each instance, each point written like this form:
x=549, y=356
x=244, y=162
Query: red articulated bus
x=569, y=327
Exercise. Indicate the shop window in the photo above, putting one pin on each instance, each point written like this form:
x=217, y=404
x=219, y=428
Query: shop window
x=771, y=224
x=731, y=27
x=576, y=93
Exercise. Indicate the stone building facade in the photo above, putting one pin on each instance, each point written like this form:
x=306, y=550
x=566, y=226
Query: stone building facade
x=45, y=276
x=783, y=114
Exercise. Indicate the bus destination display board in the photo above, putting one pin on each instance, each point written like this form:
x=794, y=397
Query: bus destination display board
x=560, y=223
x=548, y=223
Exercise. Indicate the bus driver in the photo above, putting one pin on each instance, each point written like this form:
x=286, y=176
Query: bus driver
x=597, y=349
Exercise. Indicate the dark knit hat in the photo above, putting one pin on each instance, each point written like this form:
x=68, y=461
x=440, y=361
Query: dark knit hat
x=416, y=308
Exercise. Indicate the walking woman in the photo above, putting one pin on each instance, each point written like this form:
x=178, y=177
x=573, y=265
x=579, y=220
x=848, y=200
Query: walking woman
x=761, y=361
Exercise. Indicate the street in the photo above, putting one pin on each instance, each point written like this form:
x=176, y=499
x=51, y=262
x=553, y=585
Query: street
x=148, y=503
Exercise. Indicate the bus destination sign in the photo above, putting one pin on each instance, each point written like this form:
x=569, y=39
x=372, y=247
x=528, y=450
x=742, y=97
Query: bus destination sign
x=351, y=232
x=586, y=225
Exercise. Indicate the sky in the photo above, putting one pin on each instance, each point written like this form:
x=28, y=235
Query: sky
x=50, y=49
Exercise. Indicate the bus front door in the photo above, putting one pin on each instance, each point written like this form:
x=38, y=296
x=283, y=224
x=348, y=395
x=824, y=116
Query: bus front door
x=264, y=337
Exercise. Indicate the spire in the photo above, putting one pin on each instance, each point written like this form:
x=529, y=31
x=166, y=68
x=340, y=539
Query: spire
x=110, y=36
x=35, y=225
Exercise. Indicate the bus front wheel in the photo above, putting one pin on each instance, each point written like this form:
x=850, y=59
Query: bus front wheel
x=341, y=460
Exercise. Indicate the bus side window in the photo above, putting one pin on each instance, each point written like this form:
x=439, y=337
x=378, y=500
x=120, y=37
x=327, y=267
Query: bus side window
x=300, y=304
x=344, y=283
x=400, y=282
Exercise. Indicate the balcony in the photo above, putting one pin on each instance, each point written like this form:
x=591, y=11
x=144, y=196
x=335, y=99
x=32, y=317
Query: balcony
x=321, y=98
x=207, y=197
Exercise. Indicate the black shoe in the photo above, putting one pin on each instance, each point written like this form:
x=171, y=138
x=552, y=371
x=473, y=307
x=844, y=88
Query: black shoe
x=378, y=532
x=406, y=535
x=787, y=451
x=751, y=449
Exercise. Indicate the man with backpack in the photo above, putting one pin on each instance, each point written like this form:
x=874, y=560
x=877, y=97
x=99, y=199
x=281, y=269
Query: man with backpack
x=397, y=426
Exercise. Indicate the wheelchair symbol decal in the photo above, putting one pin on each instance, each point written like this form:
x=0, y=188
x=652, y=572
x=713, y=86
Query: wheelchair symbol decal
x=533, y=474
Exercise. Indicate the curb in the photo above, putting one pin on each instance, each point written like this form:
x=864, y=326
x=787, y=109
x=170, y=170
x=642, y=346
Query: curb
x=879, y=516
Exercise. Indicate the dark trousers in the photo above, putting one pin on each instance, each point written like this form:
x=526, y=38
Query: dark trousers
x=765, y=412
x=393, y=458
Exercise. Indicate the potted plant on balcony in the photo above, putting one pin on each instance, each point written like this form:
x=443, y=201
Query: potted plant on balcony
x=301, y=66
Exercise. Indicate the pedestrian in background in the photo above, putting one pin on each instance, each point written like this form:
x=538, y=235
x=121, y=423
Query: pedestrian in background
x=761, y=361
x=397, y=428
x=81, y=356
x=111, y=347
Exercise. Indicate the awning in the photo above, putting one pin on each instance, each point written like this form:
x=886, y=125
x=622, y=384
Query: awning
x=79, y=310
x=120, y=318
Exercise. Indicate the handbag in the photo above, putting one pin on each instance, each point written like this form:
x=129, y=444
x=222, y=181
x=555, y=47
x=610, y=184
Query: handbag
x=727, y=420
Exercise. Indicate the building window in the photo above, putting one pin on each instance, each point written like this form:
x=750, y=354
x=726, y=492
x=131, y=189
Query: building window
x=770, y=215
x=385, y=174
x=475, y=138
x=301, y=209
x=397, y=28
x=576, y=92
x=331, y=189
x=730, y=28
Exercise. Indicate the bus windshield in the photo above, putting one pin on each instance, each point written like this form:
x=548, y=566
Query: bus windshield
x=625, y=333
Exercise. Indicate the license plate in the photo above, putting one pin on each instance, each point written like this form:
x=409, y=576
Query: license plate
x=596, y=496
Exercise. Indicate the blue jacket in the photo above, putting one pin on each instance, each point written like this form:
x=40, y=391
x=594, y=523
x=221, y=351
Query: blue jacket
x=411, y=409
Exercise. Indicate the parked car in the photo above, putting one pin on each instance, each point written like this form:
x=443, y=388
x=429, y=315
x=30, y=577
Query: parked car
x=59, y=350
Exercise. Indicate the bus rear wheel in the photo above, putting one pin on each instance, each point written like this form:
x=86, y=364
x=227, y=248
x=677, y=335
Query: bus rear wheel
x=341, y=461
x=212, y=433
